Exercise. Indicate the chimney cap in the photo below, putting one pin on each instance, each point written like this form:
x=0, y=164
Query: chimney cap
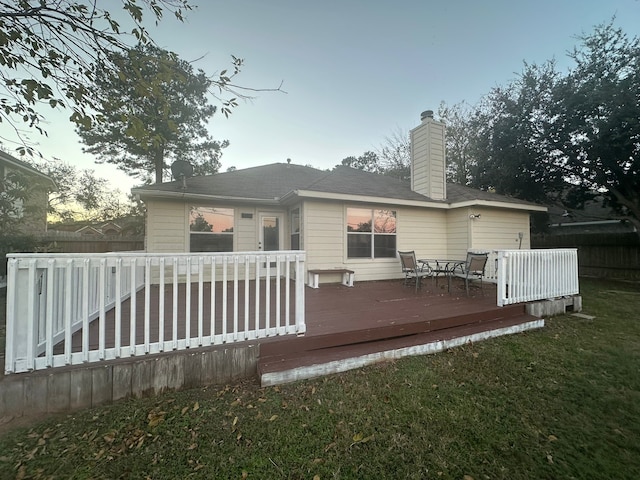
x=426, y=114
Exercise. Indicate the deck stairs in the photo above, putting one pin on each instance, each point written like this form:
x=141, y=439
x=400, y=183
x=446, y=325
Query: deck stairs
x=289, y=359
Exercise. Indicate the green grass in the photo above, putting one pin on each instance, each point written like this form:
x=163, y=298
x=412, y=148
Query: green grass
x=558, y=403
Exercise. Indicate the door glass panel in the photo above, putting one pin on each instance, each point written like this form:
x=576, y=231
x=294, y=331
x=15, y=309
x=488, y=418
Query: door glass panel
x=270, y=233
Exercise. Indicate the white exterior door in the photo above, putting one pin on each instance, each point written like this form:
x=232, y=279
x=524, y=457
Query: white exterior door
x=271, y=235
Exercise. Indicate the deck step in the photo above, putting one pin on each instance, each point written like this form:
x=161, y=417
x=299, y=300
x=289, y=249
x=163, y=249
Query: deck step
x=386, y=330
x=298, y=364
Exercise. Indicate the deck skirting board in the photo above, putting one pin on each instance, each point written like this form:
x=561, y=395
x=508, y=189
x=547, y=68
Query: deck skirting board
x=337, y=366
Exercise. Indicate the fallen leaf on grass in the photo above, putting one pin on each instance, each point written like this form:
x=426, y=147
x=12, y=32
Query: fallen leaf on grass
x=109, y=437
x=155, y=418
x=549, y=458
x=552, y=438
x=360, y=438
x=196, y=406
x=273, y=417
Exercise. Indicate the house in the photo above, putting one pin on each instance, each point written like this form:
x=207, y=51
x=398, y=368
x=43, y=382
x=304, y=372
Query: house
x=344, y=218
x=30, y=213
x=91, y=229
x=595, y=217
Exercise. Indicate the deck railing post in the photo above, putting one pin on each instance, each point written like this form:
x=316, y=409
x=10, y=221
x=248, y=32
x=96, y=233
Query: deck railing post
x=529, y=275
x=66, y=309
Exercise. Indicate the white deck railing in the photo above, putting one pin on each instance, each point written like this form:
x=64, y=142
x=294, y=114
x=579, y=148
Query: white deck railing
x=528, y=275
x=66, y=309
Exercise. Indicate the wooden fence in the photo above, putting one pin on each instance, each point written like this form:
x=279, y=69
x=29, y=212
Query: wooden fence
x=66, y=242
x=607, y=255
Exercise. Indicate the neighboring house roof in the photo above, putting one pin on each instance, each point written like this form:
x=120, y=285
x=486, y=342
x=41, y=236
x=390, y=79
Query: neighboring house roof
x=20, y=165
x=281, y=183
x=593, y=217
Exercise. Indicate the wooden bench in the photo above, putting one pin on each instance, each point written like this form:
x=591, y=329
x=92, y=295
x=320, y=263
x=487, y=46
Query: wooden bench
x=314, y=276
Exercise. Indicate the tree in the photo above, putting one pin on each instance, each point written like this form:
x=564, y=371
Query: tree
x=81, y=195
x=14, y=192
x=507, y=138
x=394, y=155
x=392, y=158
x=459, y=125
x=49, y=50
x=368, y=162
x=594, y=121
x=565, y=138
x=153, y=110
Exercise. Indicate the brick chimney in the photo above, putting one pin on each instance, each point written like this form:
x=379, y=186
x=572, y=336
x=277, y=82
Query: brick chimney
x=428, y=172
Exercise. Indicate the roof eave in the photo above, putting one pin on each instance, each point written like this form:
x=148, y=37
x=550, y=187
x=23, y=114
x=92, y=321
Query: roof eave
x=28, y=168
x=143, y=193
x=364, y=199
x=498, y=204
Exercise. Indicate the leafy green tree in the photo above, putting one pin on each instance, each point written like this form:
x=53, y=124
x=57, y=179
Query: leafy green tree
x=593, y=125
x=154, y=110
x=565, y=138
x=508, y=140
x=49, y=50
x=14, y=192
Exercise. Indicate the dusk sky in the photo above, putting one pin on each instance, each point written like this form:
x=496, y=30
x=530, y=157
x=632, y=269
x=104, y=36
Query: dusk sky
x=356, y=71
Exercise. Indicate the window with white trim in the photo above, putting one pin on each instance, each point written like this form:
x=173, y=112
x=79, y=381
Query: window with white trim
x=371, y=233
x=211, y=229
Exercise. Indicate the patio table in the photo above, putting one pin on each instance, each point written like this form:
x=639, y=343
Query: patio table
x=441, y=266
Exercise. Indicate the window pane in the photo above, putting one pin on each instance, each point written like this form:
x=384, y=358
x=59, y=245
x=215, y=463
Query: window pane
x=359, y=246
x=202, y=242
x=270, y=233
x=209, y=219
x=385, y=221
x=384, y=246
x=295, y=242
x=295, y=220
x=358, y=220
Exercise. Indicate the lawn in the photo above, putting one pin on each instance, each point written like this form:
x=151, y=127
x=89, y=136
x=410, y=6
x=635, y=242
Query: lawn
x=558, y=403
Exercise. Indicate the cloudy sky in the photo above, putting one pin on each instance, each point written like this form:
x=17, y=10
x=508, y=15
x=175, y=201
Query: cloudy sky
x=356, y=71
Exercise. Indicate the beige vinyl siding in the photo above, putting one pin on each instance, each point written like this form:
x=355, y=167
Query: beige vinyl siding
x=167, y=229
x=324, y=234
x=423, y=231
x=498, y=229
x=245, y=230
x=459, y=235
x=324, y=227
x=428, y=159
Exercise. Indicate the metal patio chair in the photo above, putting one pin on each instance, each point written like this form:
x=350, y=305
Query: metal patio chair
x=412, y=269
x=471, y=269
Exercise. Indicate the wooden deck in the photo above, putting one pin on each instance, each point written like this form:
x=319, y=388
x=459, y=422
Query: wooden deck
x=348, y=327
x=341, y=322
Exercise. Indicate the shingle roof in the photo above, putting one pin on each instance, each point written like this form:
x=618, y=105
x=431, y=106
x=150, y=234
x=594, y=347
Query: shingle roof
x=266, y=182
x=274, y=181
